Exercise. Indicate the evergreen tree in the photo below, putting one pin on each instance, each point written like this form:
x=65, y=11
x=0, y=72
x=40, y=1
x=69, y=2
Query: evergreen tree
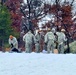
x=5, y=25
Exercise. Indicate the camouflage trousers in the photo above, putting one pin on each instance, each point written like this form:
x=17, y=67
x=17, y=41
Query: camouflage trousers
x=37, y=47
x=61, y=48
x=50, y=46
x=28, y=47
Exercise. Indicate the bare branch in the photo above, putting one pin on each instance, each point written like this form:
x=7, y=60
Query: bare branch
x=72, y=2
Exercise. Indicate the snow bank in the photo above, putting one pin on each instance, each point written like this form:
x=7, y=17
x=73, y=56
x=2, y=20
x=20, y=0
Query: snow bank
x=37, y=64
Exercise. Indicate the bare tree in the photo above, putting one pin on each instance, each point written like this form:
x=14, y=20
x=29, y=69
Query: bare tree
x=31, y=11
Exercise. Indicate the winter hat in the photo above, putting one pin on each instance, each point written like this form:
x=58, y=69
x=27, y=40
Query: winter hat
x=11, y=37
x=62, y=30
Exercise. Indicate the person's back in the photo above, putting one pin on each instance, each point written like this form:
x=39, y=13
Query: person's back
x=49, y=40
x=61, y=37
x=50, y=36
x=37, y=42
x=28, y=38
x=61, y=40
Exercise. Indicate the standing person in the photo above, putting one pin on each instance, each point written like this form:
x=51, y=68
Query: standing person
x=37, y=41
x=44, y=44
x=56, y=40
x=56, y=43
x=29, y=39
x=49, y=40
x=13, y=42
x=61, y=40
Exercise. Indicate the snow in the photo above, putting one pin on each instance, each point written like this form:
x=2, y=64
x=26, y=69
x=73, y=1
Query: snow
x=37, y=64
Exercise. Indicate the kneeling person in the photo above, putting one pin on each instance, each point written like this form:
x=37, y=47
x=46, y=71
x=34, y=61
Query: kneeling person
x=13, y=43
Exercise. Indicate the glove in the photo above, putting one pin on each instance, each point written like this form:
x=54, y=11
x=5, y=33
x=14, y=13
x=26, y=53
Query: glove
x=45, y=43
x=12, y=45
x=37, y=41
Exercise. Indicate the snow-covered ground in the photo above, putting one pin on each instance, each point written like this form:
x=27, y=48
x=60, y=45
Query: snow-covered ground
x=37, y=64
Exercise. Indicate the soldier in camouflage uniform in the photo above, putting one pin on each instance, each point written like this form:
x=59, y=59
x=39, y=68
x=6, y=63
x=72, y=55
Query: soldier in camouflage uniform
x=37, y=41
x=28, y=38
x=49, y=40
x=61, y=40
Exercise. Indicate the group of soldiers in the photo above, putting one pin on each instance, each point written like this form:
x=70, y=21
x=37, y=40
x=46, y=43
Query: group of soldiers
x=51, y=40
